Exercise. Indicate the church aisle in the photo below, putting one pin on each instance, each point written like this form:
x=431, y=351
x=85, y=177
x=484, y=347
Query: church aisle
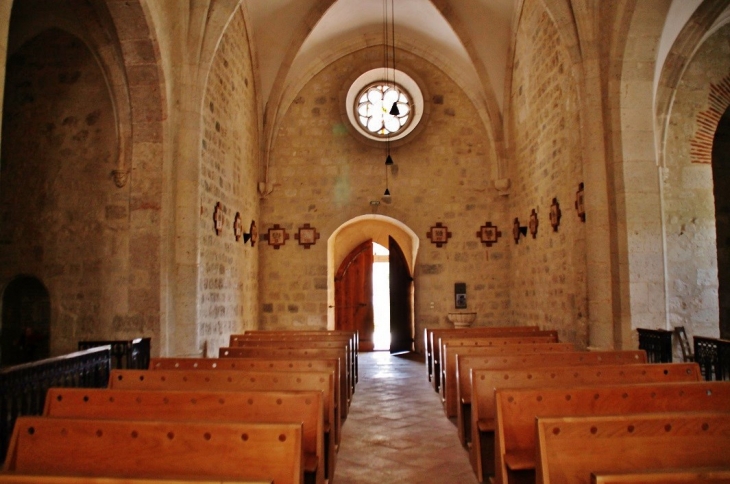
x=396, y=430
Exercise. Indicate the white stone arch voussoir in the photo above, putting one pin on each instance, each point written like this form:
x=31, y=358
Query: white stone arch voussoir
x=355, y=231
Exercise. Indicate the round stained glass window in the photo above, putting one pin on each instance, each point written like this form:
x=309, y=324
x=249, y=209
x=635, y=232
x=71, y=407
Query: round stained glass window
x=383, y=110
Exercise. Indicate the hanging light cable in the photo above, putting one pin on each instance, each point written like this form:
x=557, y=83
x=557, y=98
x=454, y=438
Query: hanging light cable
x=394, y=111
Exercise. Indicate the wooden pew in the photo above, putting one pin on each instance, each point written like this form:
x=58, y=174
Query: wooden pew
x=571, y=448
x=307, y=354
x=354, y=337
x=435, y=335
x=485, y=382
x=271, y=364
x=156, y=449
x=454, y=342
x=237, y=380
x=311, y=345
x=428, y=340
x=517, y=409
x=79, y=479
x=465, y=363
x=684, y=476
x=298, y=339
x=306, y=408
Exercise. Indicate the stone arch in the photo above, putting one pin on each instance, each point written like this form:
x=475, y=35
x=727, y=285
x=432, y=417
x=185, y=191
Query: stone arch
x=26, y=321
x=353, y=232
x=688, y=210
x=680, y=55
x=639, y=228
x=119, y=36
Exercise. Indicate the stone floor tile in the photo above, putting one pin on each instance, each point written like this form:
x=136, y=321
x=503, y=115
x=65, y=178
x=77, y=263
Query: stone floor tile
x=396, y=430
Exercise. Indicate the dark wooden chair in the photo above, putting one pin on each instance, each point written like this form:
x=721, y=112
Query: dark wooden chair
x=687, y=354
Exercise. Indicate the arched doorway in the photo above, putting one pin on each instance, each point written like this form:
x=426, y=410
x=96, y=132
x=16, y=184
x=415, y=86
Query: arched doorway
x=721, y=179
x=26, y=319
x=350, y=269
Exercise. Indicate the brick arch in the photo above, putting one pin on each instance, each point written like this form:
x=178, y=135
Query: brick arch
x=707, y=121
x=678, y=58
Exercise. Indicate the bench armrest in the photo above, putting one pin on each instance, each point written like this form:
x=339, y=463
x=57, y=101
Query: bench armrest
x=486, y=425
x=520, y=460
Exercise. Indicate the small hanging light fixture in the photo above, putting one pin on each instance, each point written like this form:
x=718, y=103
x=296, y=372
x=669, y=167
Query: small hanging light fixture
x=394, y=111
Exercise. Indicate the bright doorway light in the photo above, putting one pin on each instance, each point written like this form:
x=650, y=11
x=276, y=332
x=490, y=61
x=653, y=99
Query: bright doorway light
x=381, y=297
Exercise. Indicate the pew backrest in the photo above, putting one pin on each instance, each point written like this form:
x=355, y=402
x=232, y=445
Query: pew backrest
x=485, y=382
x=428, y=338
x=261, y=363
x=299, y=339
x=296, y=351
x=80, y=479
x=306, y=354
x=167, y=449
x=464, y=363
x=571, y=448
x=305, y=407
x=686, y=476
x=516, y=409
x=533, y=337
x=229, y=380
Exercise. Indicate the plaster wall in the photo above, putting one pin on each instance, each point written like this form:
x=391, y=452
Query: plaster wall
x=547, y=272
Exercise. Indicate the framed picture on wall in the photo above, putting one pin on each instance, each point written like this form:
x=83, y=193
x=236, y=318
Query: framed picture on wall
x=276, y=236
x=439, y=234
x=489, y=234
x=307, y=236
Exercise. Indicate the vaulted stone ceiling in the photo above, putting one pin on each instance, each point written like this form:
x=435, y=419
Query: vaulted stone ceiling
x=469, y=39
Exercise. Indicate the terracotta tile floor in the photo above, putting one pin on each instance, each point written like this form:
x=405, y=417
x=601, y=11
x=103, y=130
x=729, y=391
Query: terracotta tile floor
x=397, y=431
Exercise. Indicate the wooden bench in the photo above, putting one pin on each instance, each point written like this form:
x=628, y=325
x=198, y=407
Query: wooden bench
x=485, y=382
x=269, y=364
x=306, y=354
x=308, y=345
x=436, y=334
x=156, y=449
x=515, y=439
x=352, y=336
x=685, y=476
x=304, y=340
x=306, y=408
x=237, y=380
x=451, y=347
x=571, y=448
x=465, y=363
x=428, y=340
x=454, y=342
x=79, y=479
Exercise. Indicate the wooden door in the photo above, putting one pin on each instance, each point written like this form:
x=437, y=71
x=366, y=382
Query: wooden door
x=401, y=316
x=354, y=294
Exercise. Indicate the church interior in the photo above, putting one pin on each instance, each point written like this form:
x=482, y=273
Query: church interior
x=376, y=172
x=160, y=161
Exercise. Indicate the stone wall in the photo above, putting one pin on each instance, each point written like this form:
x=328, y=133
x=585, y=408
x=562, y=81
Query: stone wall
x=324, y=175
x=689, y=207
x=63, y=219
x=228, y=286
x=547, y=273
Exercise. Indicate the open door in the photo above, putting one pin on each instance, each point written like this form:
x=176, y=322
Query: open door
x=354, y=294
x=401, y=283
